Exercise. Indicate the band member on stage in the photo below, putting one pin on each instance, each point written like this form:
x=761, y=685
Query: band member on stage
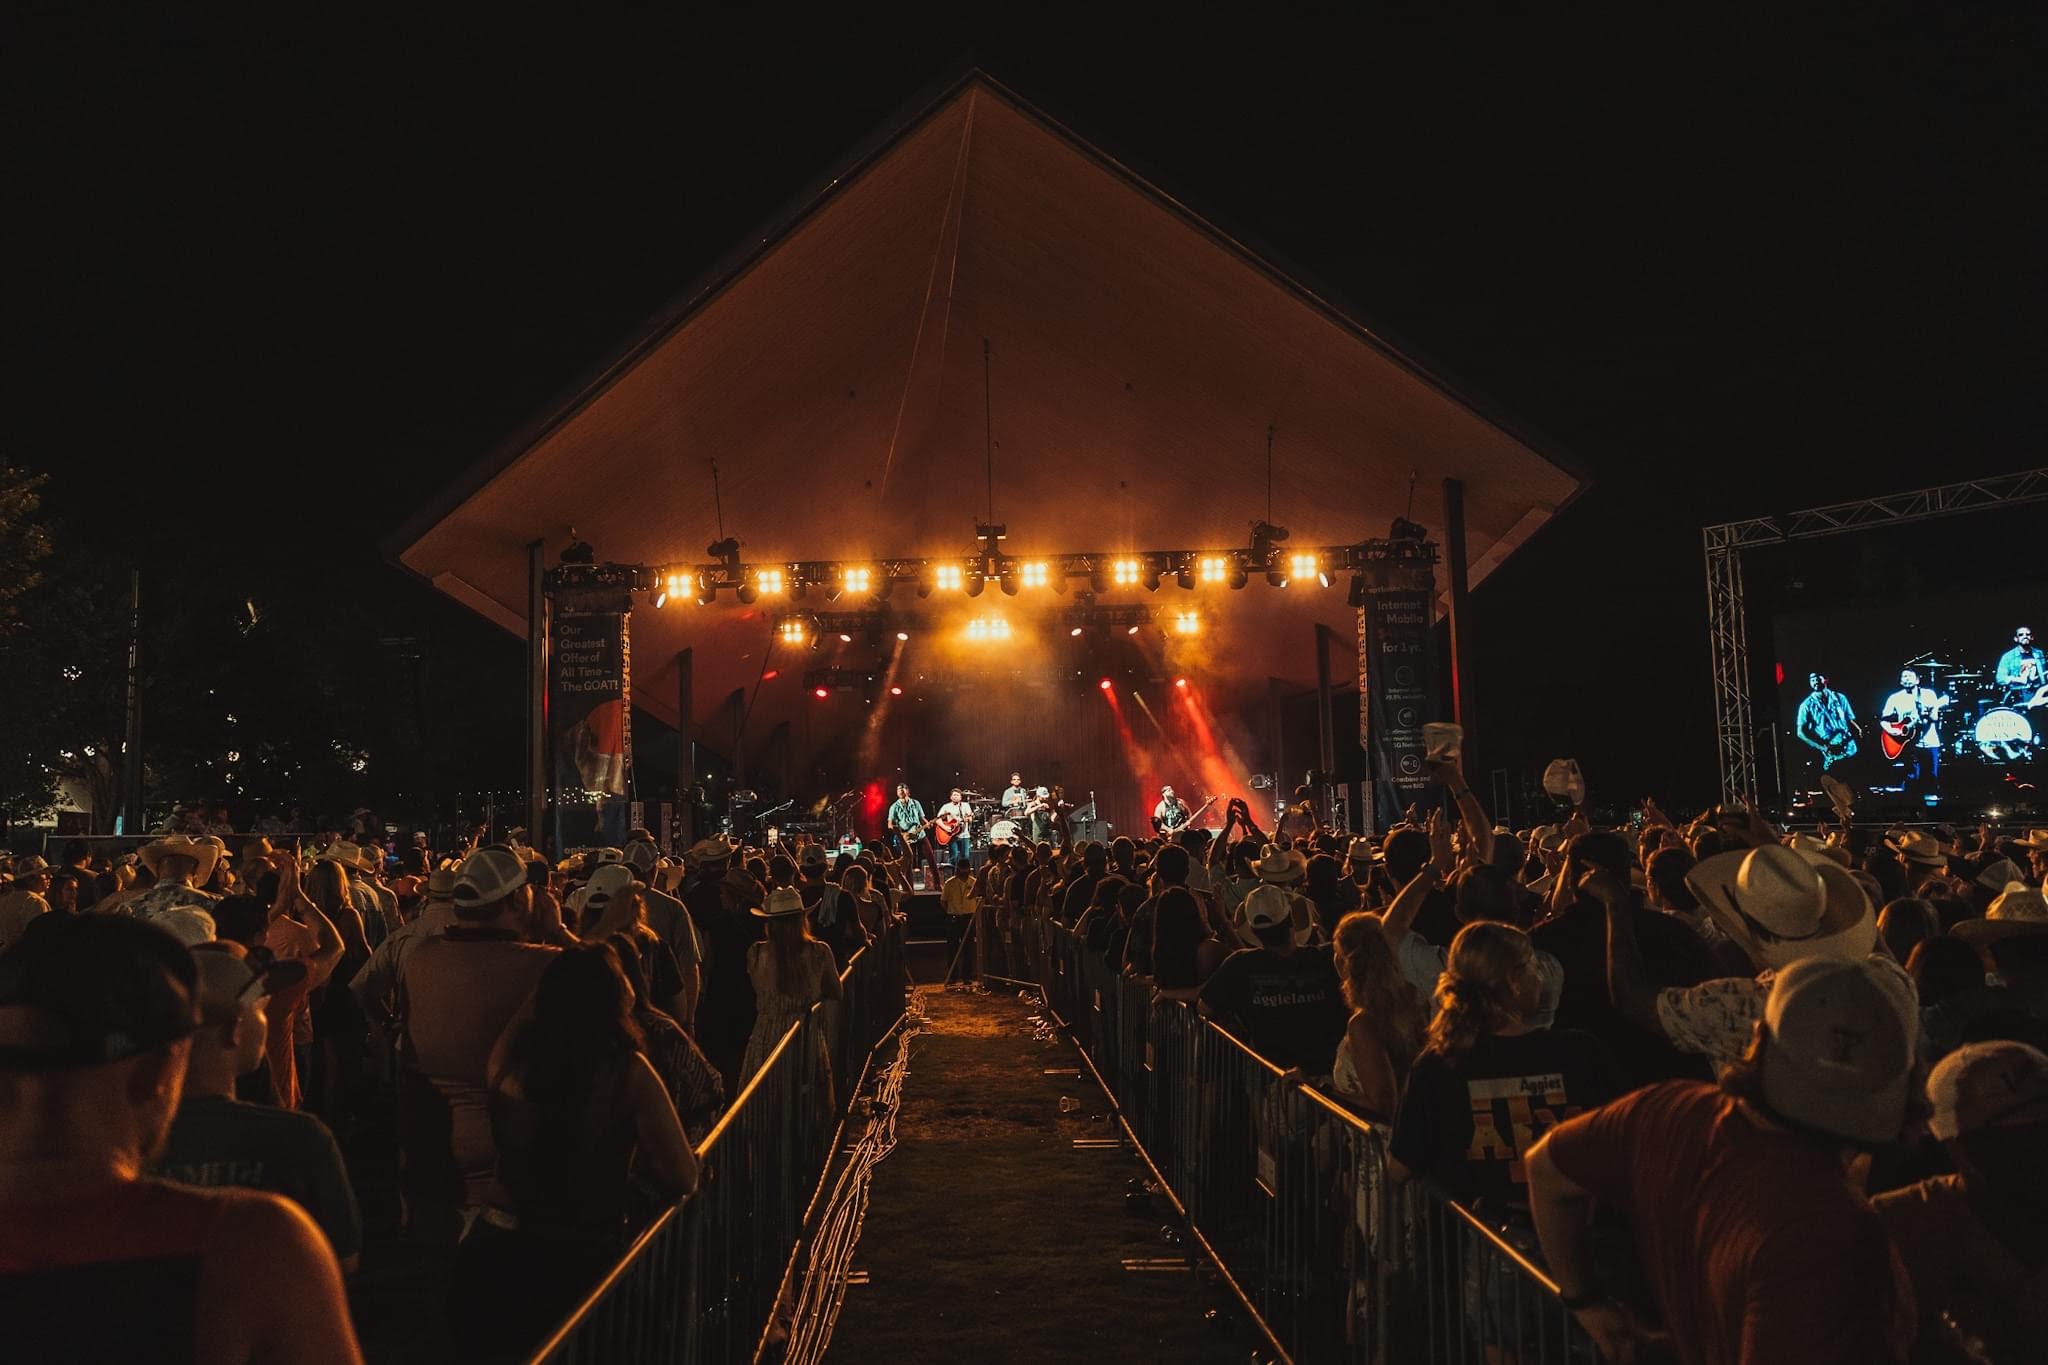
x=2020, y=669
x=1827, y=722
x=1170, y=814
x=906, y=822
x=1015, y=797
x=1039, y=808
x=959, y=849
x=1912, y=709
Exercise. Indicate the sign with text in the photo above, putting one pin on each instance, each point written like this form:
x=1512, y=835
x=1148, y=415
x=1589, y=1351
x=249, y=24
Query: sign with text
x=589, y=717
x=1400, y=681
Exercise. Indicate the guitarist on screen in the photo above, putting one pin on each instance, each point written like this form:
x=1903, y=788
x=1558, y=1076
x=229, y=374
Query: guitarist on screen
x=1911, y=721
x=1827, y=722
x=913, y=832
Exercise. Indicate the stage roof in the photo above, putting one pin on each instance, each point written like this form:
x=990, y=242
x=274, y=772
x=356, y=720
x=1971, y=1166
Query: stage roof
x=1137, y=357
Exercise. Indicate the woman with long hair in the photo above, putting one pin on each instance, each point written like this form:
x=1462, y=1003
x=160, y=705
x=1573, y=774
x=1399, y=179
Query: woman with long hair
x=575, y=1104
x=1388, y=1022
x=337, y=1046
x=791, y=971
x=1483, y=1061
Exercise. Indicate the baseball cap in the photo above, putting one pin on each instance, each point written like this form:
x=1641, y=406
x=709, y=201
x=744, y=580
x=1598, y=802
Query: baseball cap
x=1841, y=1041
x=1985, y=1085
x=486, y=877
x=641, y=856
x=85, y=990
x=1267, y=906
x=606, y=882
x=812, y=856
x=230, y=978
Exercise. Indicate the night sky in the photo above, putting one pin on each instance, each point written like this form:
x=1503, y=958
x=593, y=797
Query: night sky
x=270, y=290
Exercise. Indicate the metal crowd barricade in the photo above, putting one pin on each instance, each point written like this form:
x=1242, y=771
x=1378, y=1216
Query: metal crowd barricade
x=1292, y=1193
x=701, y=1283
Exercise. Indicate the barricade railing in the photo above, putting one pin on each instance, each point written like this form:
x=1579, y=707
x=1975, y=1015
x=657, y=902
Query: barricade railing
x=1293, y=1194
x=701, y=1283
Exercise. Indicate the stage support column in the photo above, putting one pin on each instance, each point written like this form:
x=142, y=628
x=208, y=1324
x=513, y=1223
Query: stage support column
x=131, y=821
x=1326, y=723
x=1276, y=741
x=1461, y=657
x=686, y=750
x=536, y=691
x=737, y=703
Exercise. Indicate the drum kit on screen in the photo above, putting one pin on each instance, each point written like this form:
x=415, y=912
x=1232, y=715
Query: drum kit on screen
x=1999, y=723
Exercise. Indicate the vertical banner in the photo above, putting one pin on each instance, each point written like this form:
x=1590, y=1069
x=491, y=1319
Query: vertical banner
x=590, y=724
x=1400, y=675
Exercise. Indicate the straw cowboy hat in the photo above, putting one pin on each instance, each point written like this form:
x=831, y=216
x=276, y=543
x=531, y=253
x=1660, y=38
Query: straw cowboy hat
x=1280, y=865
x=2019, y=909
x=347, y=854
x=1918, y=846
x=716, y=849
x=203, y=855
x=2037, y=839
x=783, y=902
x=1814, y=850
x=1780, y=905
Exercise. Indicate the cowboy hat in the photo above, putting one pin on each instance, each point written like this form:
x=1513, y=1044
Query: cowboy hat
x=2036, y=839
x=783, y=902
x=203, y=855
x=1280, y=865
x=1998, y=875
x=1918, y=846
x=343, y=852
x=1817, y=850
x=716, y=849
x=254, y=849
x=1780, y=905
x=2019, y=909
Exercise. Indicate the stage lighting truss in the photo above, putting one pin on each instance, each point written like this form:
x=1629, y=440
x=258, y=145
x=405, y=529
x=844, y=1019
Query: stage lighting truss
x=873, y=580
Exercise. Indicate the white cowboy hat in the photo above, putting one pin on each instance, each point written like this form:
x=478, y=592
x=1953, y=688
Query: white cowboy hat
x=203, y=855
x=1817, y=850
x=1280, y=865
x=716, y=849
x=1918, y=846
x=2019, y=909
x=783, y=902
x=1780, y=905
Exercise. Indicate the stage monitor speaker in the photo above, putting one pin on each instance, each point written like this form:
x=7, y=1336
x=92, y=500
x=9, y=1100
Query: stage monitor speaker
x=1090, y=831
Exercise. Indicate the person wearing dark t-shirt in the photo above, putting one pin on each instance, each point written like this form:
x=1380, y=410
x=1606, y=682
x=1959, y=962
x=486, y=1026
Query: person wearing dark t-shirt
x=1488, y=1085
x=1283, y=1002
x=1169, y=869
x=99, y=1261
x=1576, y=935
x=1079, y=893
x=1407, y=852
x=217, y=1140
x=1756, y=1242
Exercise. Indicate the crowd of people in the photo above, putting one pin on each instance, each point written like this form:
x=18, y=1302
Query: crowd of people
x=1801, y=1080
x=193, y=1035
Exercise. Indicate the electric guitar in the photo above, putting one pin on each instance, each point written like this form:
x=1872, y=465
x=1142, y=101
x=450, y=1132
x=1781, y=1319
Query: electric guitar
x=1902, y=734
x=1169, y=824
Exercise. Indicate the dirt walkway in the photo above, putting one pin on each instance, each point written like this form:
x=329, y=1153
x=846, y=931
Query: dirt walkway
x=992, y=1237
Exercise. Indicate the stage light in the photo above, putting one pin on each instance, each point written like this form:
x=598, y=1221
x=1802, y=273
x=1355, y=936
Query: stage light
x=1186, y=578
x=1215, y=568
x=794, y=632
x=1357, y=598
x=1105, y=684
x=1304, y=567
x=1075, y=632
x=768, y=580
x=1008, y=582
x=745, y=592
x=1276, y=578
x=1151, y=580
x=1032, y=574
x=988, y=628
x=1132, y=631
x=1124, y=572
x=771, y=673
x=1239, y=576
x=1187, y=623
x=707, y=593
x=975, y=585
x=661, y=599
x=821, y=692
x=857, y=579
x=948, y=578
x=901, y=636
x=1180, y=683
x=845, y=637
x=895, y=691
